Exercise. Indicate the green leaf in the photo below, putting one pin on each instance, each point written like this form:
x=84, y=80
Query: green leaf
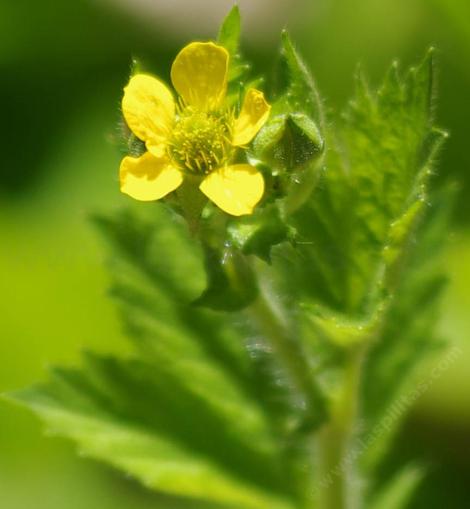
x=361, y=267
x=200, y=411
x=221, y=407
x=397, y=493
x=339, y=329
x=142, y=421
x=358, y=224
x=407, y=336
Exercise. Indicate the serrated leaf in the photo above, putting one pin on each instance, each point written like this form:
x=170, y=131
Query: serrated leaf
x=367, y=203
x=205, y=409
x=138, y=419
x=197, y=414
x=156, y=289
x=355, y=255
x=407, y=337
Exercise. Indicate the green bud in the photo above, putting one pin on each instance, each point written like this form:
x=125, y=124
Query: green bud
x=289, y=142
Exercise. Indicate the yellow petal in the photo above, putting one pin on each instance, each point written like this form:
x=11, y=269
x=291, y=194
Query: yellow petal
x=147, y=178
x=235, y=189
x=199, y=74
x=254, y=113
x=149, y=110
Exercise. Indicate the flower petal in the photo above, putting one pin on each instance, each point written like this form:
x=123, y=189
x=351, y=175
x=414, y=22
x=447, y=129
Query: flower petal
x=147, y=178
x=235, y=189
x=254, y=113
x=199, y=74
x=149, y=110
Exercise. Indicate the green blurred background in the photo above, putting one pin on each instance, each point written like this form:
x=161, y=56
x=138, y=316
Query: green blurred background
x=62, y=69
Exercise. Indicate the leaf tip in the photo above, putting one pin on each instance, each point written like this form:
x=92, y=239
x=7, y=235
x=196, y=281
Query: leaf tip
x=285, y=38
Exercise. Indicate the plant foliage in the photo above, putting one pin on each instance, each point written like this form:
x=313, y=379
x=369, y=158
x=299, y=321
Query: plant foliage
x=241, y=351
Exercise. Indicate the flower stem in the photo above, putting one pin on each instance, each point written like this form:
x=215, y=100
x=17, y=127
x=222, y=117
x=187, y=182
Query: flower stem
x=271, y=322
x=336, y=458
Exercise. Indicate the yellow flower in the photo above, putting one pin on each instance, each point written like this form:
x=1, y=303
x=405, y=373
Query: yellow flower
x=196, y=136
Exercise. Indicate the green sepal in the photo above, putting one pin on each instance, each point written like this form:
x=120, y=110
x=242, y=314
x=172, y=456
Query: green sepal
x=258, y=233
x=229, y=38
x=229, y=32
x=137, y=66
x=299, y=92
x=135, y=146
x=129, y=143
x=231, y=283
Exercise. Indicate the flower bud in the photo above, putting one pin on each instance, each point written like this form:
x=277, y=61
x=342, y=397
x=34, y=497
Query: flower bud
x=289, y=142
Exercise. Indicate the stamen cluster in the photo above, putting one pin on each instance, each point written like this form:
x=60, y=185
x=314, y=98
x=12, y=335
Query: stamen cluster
x=200, y=141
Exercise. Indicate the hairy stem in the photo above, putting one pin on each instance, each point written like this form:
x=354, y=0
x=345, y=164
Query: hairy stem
x=271, y=322
x=336, y=465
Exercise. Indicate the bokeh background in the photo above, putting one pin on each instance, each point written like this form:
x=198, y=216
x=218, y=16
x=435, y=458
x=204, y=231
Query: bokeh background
x=62, y=69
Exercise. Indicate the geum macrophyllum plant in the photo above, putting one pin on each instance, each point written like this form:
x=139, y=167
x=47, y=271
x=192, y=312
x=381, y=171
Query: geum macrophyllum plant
x=196, y=137
x=274, y=330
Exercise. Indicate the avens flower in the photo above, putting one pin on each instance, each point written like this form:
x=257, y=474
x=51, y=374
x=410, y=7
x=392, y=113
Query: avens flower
x=195, y=137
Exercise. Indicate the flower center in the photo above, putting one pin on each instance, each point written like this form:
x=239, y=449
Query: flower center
x=200, y=141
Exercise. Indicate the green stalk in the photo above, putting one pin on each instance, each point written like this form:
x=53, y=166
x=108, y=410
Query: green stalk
x=337, y=469
x=272, y=324
x=336, y=458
